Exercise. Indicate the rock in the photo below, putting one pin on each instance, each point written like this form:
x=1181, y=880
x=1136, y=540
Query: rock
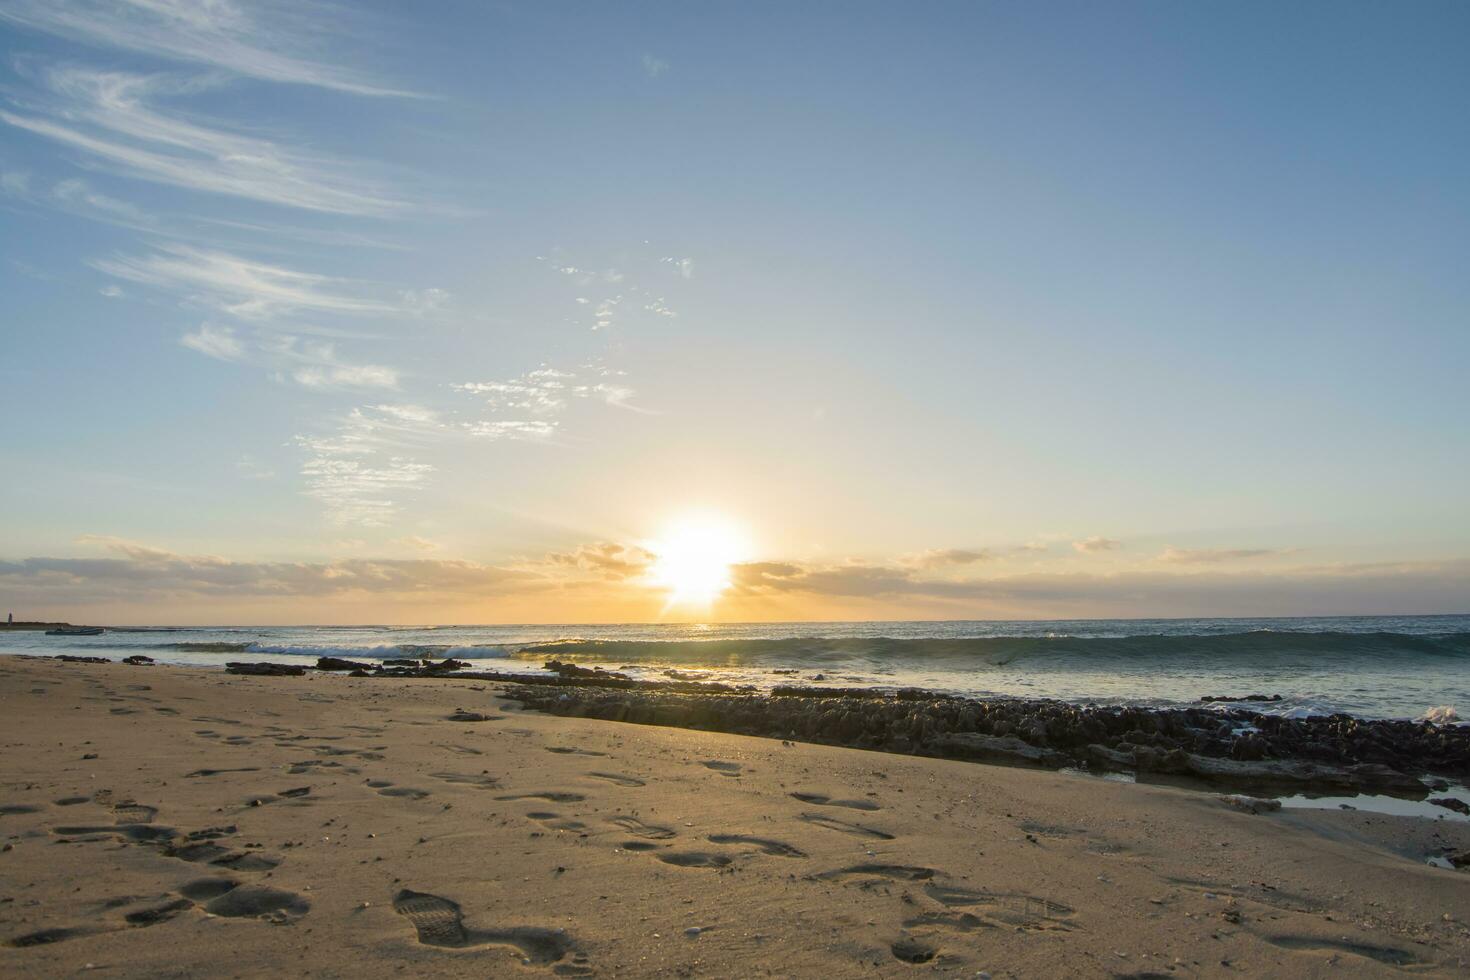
x=969, y=745
x=444, y=666
x=264, y=669
x=572, y=670
x=138, y=660
x=412, y=664
x=1212, y=698
x=1251, y=804
x=1302, y=774
x=461, y=714
x=1460, y=859
x=337, y=663
x=1450, y=803
x=1109, y=758
x=72, y=658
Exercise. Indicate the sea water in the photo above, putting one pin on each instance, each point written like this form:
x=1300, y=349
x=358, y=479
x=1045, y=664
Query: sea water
x=1377, y=667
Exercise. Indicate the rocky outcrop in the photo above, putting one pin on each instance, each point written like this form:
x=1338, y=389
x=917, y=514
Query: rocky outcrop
x=1223, y=746
x=337, y=663
x=264, y=669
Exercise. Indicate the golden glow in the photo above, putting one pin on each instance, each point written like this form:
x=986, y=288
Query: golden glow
x=693, y=559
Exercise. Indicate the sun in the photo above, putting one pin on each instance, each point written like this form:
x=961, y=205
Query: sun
x=693, y=557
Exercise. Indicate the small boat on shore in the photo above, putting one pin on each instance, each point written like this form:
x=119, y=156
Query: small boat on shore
x=75, y=631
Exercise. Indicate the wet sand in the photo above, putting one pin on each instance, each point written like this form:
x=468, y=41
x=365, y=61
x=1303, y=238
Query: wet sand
x=170, y=822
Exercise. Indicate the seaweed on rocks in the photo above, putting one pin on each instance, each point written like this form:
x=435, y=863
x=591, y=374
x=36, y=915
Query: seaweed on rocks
x=1230, y=746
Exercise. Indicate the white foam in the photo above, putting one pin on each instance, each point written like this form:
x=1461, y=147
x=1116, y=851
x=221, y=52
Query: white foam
x=380, y=652
x=1442, y=714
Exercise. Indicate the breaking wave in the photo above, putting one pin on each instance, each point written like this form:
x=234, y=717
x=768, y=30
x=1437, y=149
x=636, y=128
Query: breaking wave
x=1256, y=645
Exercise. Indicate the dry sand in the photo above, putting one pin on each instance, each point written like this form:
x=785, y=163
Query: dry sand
x=174, y=822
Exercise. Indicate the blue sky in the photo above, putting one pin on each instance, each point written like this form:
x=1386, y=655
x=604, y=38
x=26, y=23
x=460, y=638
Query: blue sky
x=448, y=312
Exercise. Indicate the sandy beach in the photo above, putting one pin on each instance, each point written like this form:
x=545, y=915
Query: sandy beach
x=171, y=822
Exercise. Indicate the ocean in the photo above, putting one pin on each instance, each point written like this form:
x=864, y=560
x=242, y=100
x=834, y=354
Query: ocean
x=1376, y=667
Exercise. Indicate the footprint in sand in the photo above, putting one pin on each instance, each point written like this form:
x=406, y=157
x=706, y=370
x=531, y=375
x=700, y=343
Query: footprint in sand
x=913, y=950
x=567, y=750
x=158, y=913
x=215, y=772
x=647, y=831
x=842, y=826
x=549, y=796
x=16, y=809
x=386, y=788
x=819, y=799
x=312, y=765
x=45, y=937
x=1010, y=908
x=694, y=859
x=765, y=845
x=473, y=716
x=1389, y=955
x=461, y=749
x=953, y=921
x=478, y=781
x=897, y=872
x=613, y=777
x=126, y=813
x=296, y=794
x=554, y=821
x=138, y=833
x=440, y=922
x=640, y=845
x=731, y=769
x=235, y=900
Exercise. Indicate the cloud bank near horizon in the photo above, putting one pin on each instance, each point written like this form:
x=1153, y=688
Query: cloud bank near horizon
x=613, y=576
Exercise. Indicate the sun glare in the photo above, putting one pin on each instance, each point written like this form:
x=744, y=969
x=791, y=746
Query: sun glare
x=693, y=559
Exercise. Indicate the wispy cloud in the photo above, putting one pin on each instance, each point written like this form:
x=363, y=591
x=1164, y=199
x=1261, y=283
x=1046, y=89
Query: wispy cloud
x=108, y=115
x=622, y=299
x=246, y=288
x=1211, y=556
x=77, y=197
x=654, y=67
x=217, y=342
x=1425, y=587
x=316, y=364
x=270, y=40
x=79, y=194
x=606, y=559
x=141, y=572
x=253, y=469
x=360, y=473
x=541, y=394
x=516, y=430
x=945, y=557
x=1095, y=544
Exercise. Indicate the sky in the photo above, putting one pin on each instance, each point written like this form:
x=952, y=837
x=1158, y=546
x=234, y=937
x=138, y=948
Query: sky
x=478, y=313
